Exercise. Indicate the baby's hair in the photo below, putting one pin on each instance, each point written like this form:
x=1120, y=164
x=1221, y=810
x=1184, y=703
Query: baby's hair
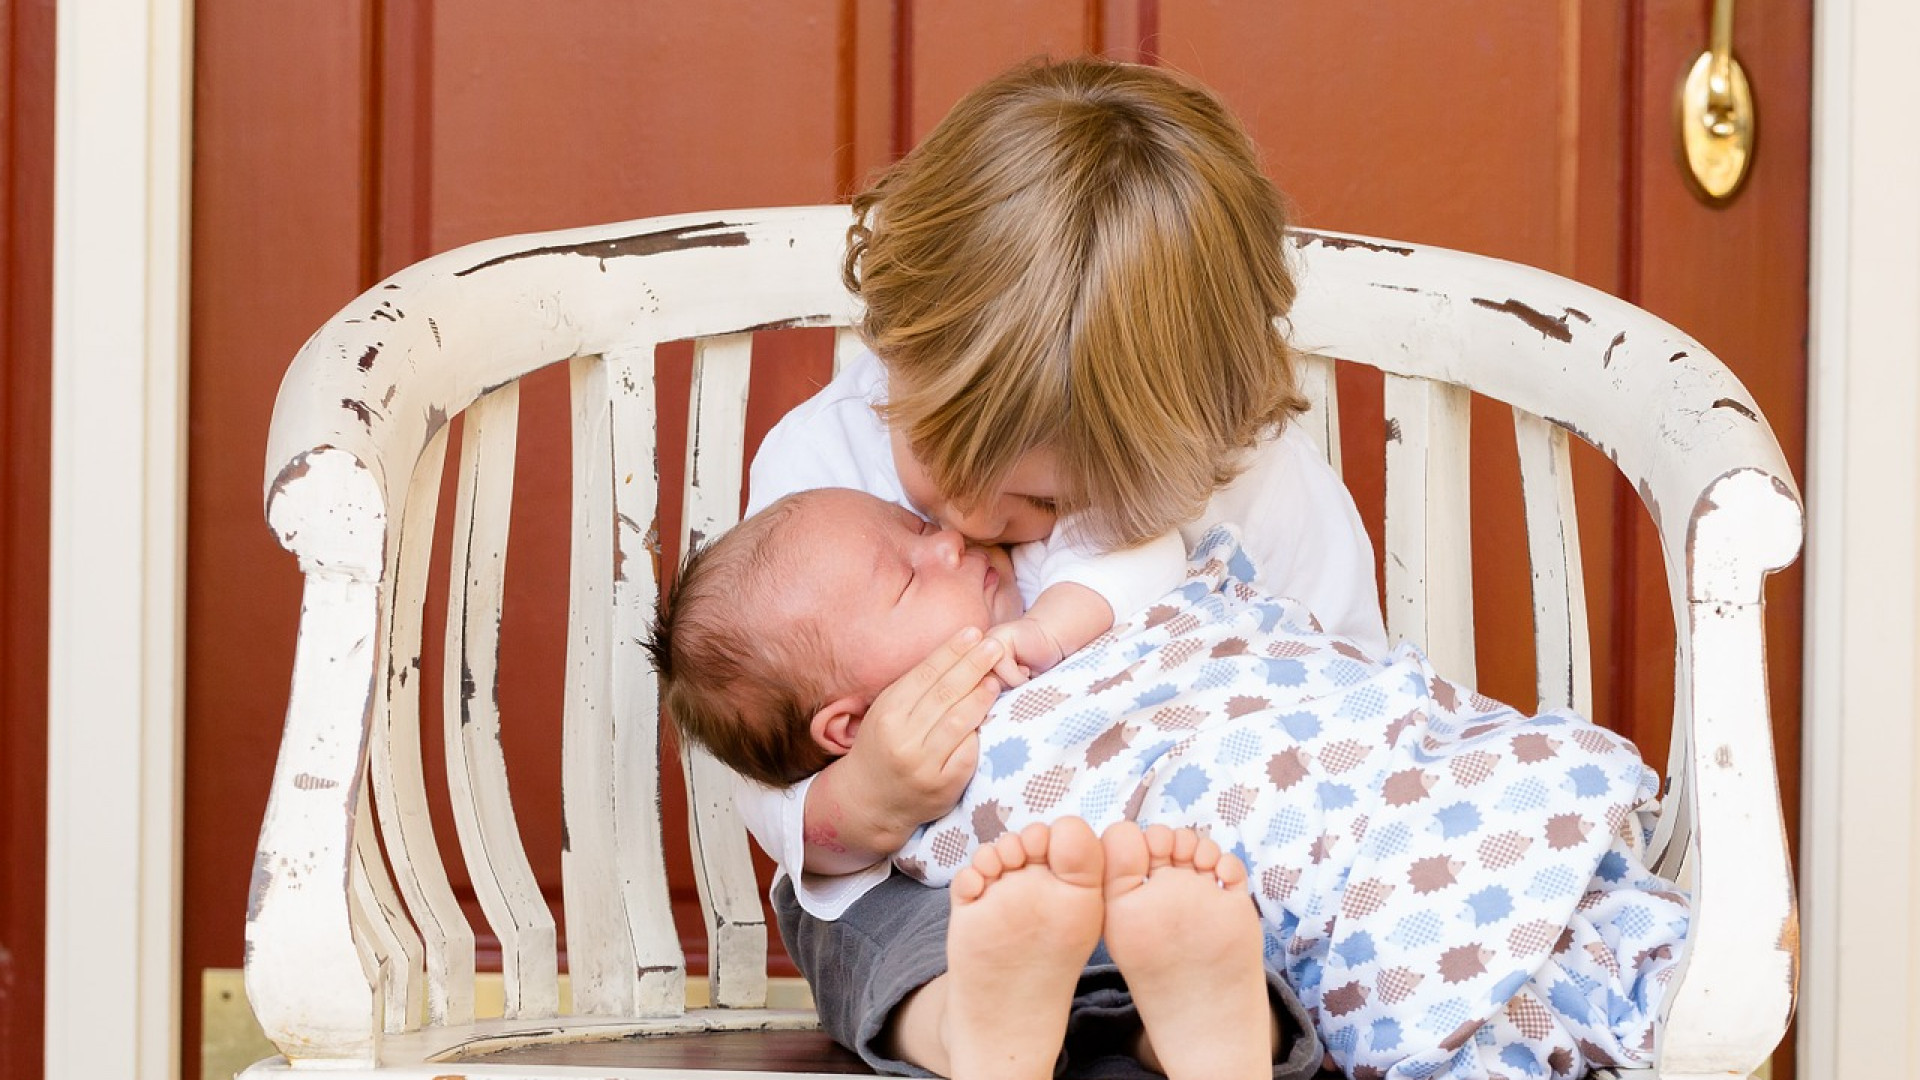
x=1084, y=257
x=735, y=676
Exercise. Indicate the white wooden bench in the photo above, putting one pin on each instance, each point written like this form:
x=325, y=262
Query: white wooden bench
x=360, y=959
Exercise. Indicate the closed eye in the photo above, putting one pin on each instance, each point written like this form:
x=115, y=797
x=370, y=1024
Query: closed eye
x=923, y=527
x=1040, y=503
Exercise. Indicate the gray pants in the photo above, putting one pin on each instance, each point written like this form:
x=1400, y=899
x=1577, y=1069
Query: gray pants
x=893, y=941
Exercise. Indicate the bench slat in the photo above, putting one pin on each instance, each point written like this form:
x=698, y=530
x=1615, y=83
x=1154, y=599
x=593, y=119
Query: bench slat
x=399, y=781
x=641, y=855
x=382, y=931
x=723, y=866
x=1321, y=421
x=483, y=815
x=600, y=953
x=1429, y=536
x=1563, y=663
x=847, y=344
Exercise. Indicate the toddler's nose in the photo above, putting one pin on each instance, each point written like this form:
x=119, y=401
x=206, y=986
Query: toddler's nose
x=981, y=523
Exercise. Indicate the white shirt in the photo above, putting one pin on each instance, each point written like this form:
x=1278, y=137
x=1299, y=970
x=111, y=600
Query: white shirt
x=1295, y=518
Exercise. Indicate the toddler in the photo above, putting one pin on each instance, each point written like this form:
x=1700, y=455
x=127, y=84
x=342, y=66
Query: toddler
x=1074, y=294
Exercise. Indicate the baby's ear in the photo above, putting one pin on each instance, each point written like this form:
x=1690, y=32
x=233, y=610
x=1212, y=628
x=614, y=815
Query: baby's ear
x=835, y=725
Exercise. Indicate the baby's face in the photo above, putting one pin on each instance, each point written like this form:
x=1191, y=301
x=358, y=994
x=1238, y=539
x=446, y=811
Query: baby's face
x=886, y=587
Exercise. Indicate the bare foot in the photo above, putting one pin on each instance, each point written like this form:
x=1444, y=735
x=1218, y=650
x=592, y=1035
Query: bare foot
x=1185, y=935
x=1026, y=916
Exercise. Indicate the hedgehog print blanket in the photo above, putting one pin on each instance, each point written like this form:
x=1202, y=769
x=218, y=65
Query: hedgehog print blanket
x=1454, y=888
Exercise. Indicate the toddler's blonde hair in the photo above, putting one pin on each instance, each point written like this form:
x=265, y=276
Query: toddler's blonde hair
x=1085, y=257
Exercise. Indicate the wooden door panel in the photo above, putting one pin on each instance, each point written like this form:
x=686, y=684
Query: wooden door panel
x=939, y=73
x=1396, y=119
x=1735, y=277
x=618, y=111
x=26, y=414
x=280, y=241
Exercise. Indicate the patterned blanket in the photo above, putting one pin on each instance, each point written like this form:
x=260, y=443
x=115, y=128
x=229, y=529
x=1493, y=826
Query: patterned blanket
x=1454, y=888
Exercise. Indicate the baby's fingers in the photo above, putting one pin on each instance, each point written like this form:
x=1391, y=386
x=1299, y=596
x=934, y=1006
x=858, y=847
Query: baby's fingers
x=1010, y=672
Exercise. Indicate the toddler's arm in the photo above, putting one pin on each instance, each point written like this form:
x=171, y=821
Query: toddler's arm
x=916, y=751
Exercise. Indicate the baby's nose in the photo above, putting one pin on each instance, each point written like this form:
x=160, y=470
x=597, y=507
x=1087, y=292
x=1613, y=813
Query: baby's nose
x=946, y=546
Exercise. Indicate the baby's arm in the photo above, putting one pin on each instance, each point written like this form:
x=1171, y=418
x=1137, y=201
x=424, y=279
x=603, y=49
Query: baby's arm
x=1063, y=618
x=1081, y=594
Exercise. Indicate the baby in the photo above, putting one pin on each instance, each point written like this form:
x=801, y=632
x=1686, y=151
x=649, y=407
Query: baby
x=1453, y=888
x=782, y=632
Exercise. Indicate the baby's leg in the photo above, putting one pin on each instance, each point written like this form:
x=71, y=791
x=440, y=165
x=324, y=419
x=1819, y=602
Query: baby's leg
x=1026, y=916
x=1187, y=938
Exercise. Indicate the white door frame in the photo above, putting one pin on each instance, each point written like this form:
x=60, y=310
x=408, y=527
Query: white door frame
x=1860, y=837
x=122, y=118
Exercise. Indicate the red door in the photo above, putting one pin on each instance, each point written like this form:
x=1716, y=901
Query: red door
x=334, y=145
x=26, y=390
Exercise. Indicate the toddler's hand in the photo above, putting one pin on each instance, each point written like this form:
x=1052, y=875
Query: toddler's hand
x=1031, y=649
x=917, y=747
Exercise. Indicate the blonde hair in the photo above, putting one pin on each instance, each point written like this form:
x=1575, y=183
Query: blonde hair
x=734, y=676
x=1084, y=257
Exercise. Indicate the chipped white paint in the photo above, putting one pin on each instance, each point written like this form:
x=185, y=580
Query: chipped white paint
x=1563, y=662
x=503, y=881
x=662, y=969
x=388, y=942
x=723, y=866
x=357, y=431
x=1321, y=421
x=599, y=950
x=1429, y=549
x=304, y=974
x=1743, y=952
x=395, y=764
x=371, y=390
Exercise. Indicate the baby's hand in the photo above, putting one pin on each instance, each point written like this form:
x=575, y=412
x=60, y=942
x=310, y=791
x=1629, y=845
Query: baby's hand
x=1031, y=649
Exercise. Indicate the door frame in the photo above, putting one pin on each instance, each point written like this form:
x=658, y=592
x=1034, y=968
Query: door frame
x=1860, y=908
x=122, y=154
